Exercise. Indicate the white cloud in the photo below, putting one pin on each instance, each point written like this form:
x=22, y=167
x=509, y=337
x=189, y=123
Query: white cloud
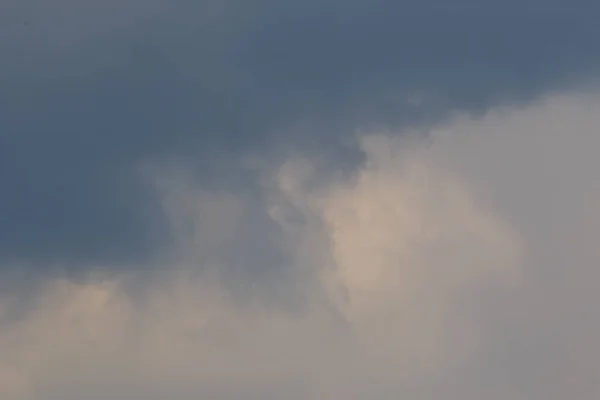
x=461, y=266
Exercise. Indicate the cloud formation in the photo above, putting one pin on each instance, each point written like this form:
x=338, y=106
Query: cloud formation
x=91, y=89
x=462, y=265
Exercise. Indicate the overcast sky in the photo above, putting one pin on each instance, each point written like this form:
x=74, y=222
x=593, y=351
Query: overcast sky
x=327, y=199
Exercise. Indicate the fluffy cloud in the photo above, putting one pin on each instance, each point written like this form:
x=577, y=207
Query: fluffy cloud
x=463, y=265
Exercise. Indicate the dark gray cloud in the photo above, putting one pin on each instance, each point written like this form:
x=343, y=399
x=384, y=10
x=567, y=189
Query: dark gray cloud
x=437, y=270
x=92, y=89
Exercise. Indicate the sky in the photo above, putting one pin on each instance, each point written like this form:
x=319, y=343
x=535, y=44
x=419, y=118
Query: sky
x=304, y=200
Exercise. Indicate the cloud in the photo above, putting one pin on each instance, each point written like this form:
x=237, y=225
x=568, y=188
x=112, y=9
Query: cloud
x=462, y=265
x=92, y=89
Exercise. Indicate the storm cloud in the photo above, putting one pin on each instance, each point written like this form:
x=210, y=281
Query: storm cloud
x=268, y=199
x=92, y=90
x=460, y=265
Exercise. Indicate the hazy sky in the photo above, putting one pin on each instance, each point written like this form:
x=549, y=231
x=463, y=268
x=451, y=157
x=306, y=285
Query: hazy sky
x=299, y=200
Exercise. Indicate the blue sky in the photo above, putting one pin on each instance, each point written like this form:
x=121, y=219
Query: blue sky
x=328, y=171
